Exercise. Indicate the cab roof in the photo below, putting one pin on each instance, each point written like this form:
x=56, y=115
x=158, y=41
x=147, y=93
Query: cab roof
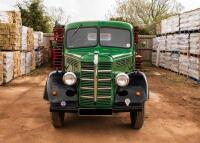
x=117, y=24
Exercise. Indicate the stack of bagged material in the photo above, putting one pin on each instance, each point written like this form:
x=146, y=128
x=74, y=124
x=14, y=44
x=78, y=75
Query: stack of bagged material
x=9, y=36
x=10, y=17
x=8, y=66
x=195, y=43
x=162, y=60
x=182, y=42
x=172, y=43
x=190, y=20
x=174, y=61
x=36, y=41
x=33, y=62
x=28, y=62
x=1, y=68
x=22, y=63
x=194, y=67
x=162, y=43
x=154, y=58
x=167, y=59
x=183, y=64
x=170, y=25
x=30, y=39
x=39, y=57
x=24, y=31
x=16, y=60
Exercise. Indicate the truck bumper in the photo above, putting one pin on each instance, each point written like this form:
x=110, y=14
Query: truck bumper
x=73, y=108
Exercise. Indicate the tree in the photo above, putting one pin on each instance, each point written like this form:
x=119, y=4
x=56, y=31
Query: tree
x=34, y=15
x=146, y=13
x=58, y=16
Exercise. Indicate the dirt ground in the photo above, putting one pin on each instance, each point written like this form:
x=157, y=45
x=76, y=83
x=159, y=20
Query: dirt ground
x=172, y=114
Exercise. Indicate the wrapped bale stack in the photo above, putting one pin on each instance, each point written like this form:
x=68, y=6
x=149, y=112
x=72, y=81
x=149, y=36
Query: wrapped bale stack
x=182, y=42
x=195, y=43
x=23, y=63
x=28, y=63
x=155, y=51
x=194, y=67
x=38, y=40
x=10, y=17
x=182, y=50
x=190, y=20
x=8, y=66
x=30, y=39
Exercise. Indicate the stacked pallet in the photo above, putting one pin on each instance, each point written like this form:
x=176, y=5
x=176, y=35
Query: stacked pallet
x=170, y=25
x=57, y=49
x=10, y=17
x=38, y=46
x=182, y=50
x=8, y=66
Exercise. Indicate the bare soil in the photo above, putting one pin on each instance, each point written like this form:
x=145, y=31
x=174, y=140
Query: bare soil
x=172, y=114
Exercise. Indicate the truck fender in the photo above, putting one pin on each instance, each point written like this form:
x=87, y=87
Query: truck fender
x=55, y=77
x=138, y=78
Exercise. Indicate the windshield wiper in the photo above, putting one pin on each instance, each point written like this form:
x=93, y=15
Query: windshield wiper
x=77, y=29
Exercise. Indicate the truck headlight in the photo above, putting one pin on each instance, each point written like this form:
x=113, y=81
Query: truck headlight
x=122, y=79
x=69, y=78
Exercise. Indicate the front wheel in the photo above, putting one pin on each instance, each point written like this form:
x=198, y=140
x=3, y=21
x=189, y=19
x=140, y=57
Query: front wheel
x=57, y=119
x=137, y=118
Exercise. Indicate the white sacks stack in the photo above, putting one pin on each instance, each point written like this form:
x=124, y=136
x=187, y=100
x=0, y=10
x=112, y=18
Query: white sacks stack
x=28, y=62
x=23, y=63
x=8, y=66
x=174, y=62
x=162, y=43
x=24, y=30
x=195, y=43
x=170, y=25
x=38, y=39
x=194, y=67
x=190, y=20
x=171, y=43
x=182, y=42
x=184, y=64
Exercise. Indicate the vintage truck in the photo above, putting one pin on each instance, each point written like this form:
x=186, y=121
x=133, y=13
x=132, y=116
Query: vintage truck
x=99, y=76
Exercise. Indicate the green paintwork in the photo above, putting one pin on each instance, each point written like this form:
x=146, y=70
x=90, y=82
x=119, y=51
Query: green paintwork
x=110, y=58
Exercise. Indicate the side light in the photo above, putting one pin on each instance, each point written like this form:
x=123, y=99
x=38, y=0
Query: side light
x=138, y=93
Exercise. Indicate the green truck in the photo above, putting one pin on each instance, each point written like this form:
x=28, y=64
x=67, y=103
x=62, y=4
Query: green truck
x=99, y=76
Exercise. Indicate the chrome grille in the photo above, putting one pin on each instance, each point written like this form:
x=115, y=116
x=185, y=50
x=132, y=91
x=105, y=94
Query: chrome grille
x=104, y=84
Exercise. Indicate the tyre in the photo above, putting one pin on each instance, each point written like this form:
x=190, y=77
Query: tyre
x=45, y=96
x=137, y=118
x=57, y=119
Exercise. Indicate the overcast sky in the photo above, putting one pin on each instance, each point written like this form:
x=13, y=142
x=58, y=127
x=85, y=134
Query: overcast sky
x=88, y=9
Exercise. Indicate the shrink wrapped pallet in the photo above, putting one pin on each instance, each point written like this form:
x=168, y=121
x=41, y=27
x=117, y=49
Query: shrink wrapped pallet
x=190, y=20
x=162, y=60
x=156, y=43
x=28, y=62
x=33, y=62
x=194, y=67
x=195, y=43
x=30, y=39
x=174, y=61
x=182, y=42
x=172, y=43
x=170, y=25
x=7, y=66
x=22, y=63
x=36, y=44
x=154, y=58
x=1, y=68
x=16, y=58
x=24, y=31
x=39, y=57
x=183, y=64
x=38, y=39
x=162, y=43
x=9, y=37
x=167, y=58
x=10, y=17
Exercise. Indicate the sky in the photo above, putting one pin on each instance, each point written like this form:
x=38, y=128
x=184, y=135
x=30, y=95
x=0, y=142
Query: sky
x=88, y=9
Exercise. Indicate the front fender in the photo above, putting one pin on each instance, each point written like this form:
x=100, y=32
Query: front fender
x=54, y=83
x=138, y=79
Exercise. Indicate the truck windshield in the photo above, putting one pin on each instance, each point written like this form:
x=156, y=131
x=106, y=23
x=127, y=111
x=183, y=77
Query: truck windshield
x=83, y=37
x=114, y=37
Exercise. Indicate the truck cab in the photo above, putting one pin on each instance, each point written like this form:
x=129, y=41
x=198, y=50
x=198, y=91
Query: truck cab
x=99, y=76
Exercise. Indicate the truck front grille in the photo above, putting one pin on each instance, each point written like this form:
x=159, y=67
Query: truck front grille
x=103, y=89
